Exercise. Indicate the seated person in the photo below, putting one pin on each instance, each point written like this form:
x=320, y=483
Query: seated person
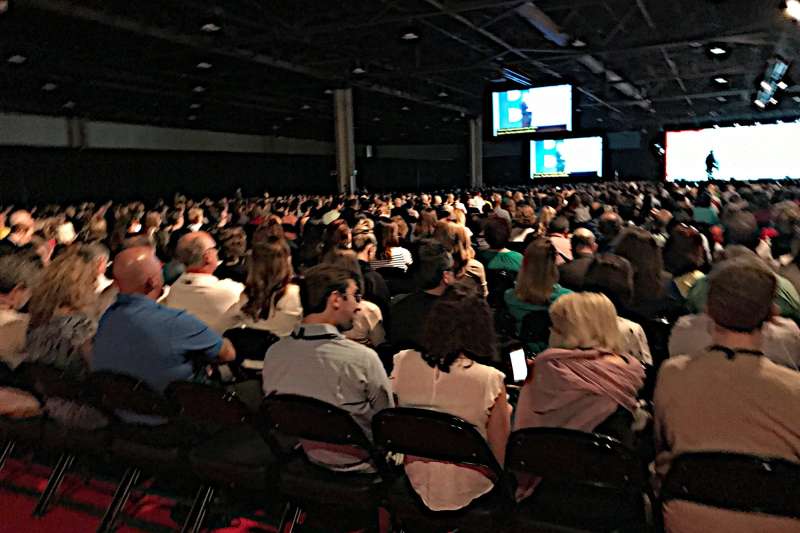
x=318, y=361
x=270, y=300
x=571, y=274
x=198, y=291
x=729, y=398
x=497, y=232
x=449, y=376
x=141, y=338
x=19, y=273
x=537, y=285
x=583, y=380
x=410, y=311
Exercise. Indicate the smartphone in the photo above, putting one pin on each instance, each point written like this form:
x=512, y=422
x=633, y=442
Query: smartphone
x=519, y=365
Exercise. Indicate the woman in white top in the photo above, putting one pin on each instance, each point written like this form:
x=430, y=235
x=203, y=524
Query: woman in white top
x=270, y=300
x=448, y=378
x=390, y=254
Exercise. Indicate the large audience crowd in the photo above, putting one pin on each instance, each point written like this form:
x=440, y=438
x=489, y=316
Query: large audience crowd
x=371, y=301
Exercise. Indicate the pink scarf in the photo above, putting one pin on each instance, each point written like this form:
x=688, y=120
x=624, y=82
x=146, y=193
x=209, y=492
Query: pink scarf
x=577, y=389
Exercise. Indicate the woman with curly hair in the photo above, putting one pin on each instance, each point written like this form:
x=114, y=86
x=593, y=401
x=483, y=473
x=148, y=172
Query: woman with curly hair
x=61, y=308
x=270, y=300
x=451, y=376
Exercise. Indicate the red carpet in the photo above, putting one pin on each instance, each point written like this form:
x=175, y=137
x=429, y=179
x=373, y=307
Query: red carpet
x=79, y=506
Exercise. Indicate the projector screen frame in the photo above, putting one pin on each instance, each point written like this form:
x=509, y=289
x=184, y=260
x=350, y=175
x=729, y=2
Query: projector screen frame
x=488, y=110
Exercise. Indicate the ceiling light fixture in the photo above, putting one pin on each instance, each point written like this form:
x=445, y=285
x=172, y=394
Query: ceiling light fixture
x=773, y=101
x=405, y=108
x=204, y=65
x=194, y=106
x=199, y=89
x=717, y=51
x=305, y=107
x=376, y=119
x=796, y=99
x=359, y=70
x=721, y=80
x=288, y=119
x=766, y=86
x=328, y=91
x=443, y=94
x=721, y=99
x=210, y=27
x=48, y=87
x=69, y=105
x=192, y=117
x=409, y=36
x=760, y=104
x=17, y=59
x=782, y=85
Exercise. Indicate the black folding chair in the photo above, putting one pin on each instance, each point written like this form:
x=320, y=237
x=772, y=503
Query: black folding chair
x=231, y=453
x=146, y=437
x=397, y=280
x=251, y=344
x=583, y=481
x=51, y=383
x=535, y=328
x=340, y=500
x=737, y=482
x=499, y=281
x=436, y=436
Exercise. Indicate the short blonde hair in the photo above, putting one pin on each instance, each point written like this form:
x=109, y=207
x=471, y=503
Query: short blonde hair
x=585, y=320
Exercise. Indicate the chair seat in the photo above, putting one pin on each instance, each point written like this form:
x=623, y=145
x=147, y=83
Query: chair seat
x=55, y=435
x=306, y=482
x=151, y=447
x=486, y=513
x=26, y=430
x=581, y=508
x=235, y=459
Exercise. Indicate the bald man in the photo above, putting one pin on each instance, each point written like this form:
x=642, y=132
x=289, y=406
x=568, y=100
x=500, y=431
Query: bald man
x=22, y=227
x=197, y=290
x=141, y=338
x=584, y=246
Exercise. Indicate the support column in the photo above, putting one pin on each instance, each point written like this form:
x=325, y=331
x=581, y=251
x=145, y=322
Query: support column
x=475, y=152
x=345, y=143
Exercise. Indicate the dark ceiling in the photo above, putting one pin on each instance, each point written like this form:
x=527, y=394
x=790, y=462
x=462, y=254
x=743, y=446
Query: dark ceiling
x=271, y=62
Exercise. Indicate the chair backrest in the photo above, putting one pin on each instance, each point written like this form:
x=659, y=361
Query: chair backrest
x=737, y=482
x=311, y=419
x=251, y=343
x=504, y=323
x=499, y=281
x=575, y=457
x=206, y=405
x=535, y=327
x=657, y=331
x=433, y=435
x=119, y=392
x=47, y=381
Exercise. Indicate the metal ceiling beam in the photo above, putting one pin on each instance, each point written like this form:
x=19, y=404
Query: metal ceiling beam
x=67, y=9
x=679, y=97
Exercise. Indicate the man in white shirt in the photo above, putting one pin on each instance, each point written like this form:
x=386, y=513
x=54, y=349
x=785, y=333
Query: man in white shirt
x=197, y=290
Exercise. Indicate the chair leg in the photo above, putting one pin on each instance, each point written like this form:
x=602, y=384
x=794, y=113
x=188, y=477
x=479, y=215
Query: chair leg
x=121, y=496
x=7, y=450
x=284, y=516
x=198, y=511
x=295, y=519
x=56, y=477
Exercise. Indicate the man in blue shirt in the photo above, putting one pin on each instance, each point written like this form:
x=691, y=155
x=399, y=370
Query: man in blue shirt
x=141, y=338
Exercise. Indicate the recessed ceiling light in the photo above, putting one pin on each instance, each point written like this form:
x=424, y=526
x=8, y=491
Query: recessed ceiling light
x=782, y=85
x=305, y=107
x=210, y=27
x=427, y=127
x=376, y=119
x=721, y=80
x=796, y=99
x=275, y=127
x=49, y=87
x=695, y=44
x=192, y=117
x=773, y=101
x=194, y=106
x=760, y=103
x=199, y=89
x=204, y=65
x=721, y=99
x=717, y=51
x=17, y=59
x=443, y=94
x=359, y=70
x=328, y=91
x=409, y=36
x=69, y=105
x=288, y=119
x=766, y=86
x=600, y=120
x=577, y=43
x=405, y=108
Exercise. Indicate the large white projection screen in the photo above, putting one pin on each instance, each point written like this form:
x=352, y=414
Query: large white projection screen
x=769, y=151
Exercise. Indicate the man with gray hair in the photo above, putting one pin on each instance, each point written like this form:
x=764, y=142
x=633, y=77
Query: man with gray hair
x=584, y=246
x=198, y=291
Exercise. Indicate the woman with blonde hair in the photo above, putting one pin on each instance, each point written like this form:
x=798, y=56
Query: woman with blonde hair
x=537, y=284
x=455, y=240
x=583, y=382
x=61, y=308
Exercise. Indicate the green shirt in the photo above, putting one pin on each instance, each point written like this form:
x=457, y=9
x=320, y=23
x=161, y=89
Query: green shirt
x=509, y=260
x=786, y=297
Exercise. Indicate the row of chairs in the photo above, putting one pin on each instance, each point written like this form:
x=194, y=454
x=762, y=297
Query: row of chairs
x=210, y=440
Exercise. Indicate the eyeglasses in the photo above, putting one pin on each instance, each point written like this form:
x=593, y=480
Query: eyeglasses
x=356, y=296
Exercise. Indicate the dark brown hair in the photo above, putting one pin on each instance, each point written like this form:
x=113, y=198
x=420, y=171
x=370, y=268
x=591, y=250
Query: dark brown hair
x=268, y=273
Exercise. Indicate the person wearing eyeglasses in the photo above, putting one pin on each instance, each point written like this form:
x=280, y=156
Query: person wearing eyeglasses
x=318, y=361
x=198, y=291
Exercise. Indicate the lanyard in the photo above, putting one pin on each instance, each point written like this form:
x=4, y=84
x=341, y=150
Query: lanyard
x=301, y=334
x=731, y=353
